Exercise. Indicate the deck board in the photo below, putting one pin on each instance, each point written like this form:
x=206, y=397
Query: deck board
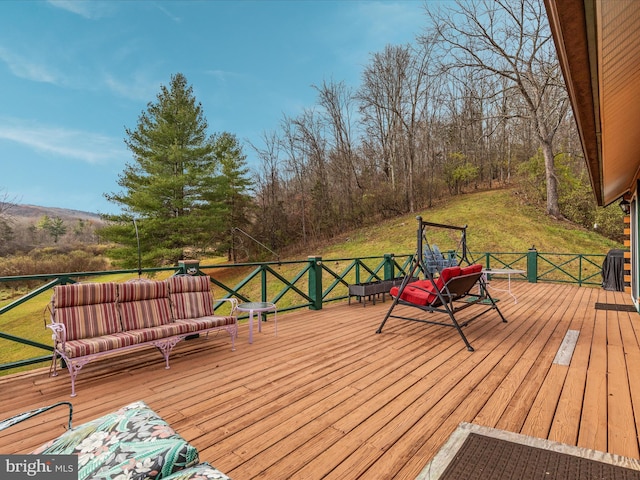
x=330, y=398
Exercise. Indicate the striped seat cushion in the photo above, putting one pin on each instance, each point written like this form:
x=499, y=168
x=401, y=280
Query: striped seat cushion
x=202, y=323
x=105, y=343
x=190, y=296
x=86, y=309
x=143, y=304
x=161, y=331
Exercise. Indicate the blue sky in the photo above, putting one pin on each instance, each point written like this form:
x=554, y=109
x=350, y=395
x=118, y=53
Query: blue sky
x=74, y=74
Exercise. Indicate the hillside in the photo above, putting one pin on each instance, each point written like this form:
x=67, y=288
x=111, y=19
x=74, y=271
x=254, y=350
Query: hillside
x=497, y=221
x=33, y=212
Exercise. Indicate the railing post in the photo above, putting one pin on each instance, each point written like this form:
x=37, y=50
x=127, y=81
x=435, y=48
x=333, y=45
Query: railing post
x=389, y=270
x=189, y=267
x=315, y=282
x=263, y=283
x=532, y=265
x=579, y=269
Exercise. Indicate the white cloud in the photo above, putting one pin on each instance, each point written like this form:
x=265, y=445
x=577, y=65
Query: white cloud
x=225, y=76
x=168, y=13
x=89, y=9
x=28, y=69
x=92, y=148
x=138, y=87
x=389, y=20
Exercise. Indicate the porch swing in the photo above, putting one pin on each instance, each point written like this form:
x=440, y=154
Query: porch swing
x=448, y=286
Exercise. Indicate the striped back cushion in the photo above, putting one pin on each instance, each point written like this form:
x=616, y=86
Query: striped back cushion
x=86, y=309
x=190, y=296
x=143, y=304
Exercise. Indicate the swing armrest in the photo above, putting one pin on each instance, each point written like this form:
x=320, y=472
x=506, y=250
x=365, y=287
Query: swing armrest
x=21, y=417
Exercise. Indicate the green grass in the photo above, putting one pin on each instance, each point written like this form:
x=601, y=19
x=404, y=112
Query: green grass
x=497, y=221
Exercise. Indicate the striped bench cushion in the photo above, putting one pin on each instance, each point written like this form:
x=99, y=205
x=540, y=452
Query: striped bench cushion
x=190, y=296
x=203, y=323
x=86, y=309
x=104, y=343
x=144, y=304
x=161, y=331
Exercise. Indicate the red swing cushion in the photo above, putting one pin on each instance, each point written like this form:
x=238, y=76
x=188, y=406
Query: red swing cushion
x=423, y=292
x=475, y=268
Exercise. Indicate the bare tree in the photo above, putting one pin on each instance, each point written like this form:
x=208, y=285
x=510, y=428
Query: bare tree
x=511, y=39
x=381, y=96
x=7, y=203
x=338, y=108
x=271, y=188
x=395, y=98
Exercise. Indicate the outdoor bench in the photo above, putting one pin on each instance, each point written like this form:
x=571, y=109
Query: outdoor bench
x=90, y=320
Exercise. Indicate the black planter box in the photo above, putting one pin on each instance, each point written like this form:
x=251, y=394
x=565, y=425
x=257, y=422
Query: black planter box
x=372, y=289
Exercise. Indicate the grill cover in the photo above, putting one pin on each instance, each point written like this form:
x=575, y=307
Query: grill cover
x=613, y=271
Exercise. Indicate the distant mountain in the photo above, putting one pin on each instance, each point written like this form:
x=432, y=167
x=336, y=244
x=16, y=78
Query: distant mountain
x=30, y=212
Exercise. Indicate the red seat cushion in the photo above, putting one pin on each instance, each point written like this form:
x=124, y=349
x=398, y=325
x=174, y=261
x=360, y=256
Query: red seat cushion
x=448, y=273
x=475, y=268
x=423, y=292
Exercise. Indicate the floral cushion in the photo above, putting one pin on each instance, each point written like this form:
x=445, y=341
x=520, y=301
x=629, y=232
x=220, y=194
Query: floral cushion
x=132, y=443
x=203, y=471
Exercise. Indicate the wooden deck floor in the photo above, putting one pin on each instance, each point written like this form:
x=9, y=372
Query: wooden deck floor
x=328, y=398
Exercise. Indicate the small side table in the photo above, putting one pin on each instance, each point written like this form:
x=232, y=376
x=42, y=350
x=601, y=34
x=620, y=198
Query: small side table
x=259, y=308
x=503, y=271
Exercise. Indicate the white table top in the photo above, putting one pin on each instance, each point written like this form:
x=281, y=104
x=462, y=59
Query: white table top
x=502, y=271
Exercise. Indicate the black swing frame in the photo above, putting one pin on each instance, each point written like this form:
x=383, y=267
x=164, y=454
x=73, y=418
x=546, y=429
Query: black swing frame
x=449, y=299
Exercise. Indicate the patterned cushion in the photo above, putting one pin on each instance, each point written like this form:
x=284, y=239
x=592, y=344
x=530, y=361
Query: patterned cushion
x=86, y=309
x=202, y=471
x=88, y=346
x=190, y=296
x=161, y=331
x=202, y=323
x=143, y=304
x=133, y=443
x=76, y=294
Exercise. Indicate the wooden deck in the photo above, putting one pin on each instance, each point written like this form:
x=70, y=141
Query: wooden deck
x=328, y=398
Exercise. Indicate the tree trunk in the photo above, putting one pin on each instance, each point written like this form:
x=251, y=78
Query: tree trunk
x=553, y=208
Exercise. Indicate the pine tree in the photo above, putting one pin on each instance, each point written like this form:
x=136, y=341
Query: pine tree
x=167, y=187
x=229, y=192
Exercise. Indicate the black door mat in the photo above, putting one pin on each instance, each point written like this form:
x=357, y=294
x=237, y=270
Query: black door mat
x=490, y=458
x=616, y=307
x=477, y=452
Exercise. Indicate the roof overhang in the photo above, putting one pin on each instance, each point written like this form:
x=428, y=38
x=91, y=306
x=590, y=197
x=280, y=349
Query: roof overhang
x=598, y=44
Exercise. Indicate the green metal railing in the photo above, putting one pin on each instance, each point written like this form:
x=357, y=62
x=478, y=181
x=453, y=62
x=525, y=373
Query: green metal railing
x=292, y=285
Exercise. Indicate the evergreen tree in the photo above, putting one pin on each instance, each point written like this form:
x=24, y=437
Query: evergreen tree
x=54, y=227
x=229, y=197
x=167, y=187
